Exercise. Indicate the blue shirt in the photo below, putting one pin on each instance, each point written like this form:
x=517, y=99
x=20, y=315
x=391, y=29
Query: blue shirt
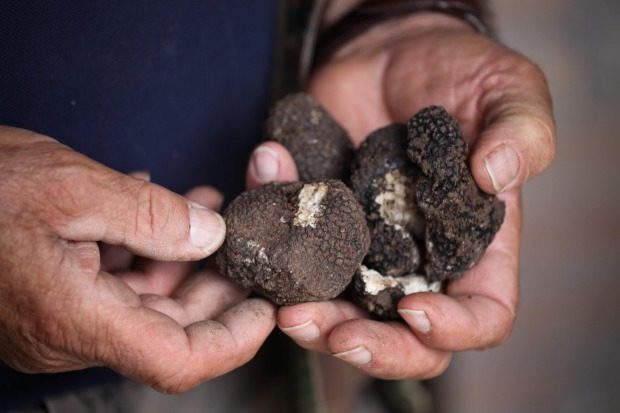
x=177, y=88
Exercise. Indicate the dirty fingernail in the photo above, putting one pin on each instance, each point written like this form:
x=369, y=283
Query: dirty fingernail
x=206, y=228
x=307, y=331
x=357, y=356
x=265, y=164
x=502, y=165
x=417, y=319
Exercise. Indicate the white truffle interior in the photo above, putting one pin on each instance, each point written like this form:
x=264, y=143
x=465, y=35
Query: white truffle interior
x=397, y=203
x=310, y=208
x=374, y=282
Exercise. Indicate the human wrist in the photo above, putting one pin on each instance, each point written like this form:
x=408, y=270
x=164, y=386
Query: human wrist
x=372, y=14
x=383, y=37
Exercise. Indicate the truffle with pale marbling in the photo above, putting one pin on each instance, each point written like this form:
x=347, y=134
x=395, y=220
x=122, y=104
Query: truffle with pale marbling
x=428, y=220
x=294, y=242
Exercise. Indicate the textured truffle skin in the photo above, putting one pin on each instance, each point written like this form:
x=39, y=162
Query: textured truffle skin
x=294, y=242
x=320, y=147
x=461, y=219
x=381, y=174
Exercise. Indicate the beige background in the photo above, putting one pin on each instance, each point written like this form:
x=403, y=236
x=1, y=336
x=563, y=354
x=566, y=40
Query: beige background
x=564, y=353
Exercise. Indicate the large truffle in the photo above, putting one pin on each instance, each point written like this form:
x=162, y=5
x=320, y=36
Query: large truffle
x=320, y=147
x=294, y=242
x=461, y=220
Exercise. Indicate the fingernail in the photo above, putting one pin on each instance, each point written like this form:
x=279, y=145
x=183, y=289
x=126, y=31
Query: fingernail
x=265, y=165
x=307, y=331
x=502, y=165
x=417, y=319
x=357, y=356
x=206, y=228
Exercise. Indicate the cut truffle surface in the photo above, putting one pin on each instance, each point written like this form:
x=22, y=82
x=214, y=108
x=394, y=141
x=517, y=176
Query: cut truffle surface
x=294, y=242
x=320, y=147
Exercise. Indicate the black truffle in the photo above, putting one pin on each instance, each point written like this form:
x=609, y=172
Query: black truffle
x=383, y=180
x=419, y=195
x=461, y=219
x=320, y=147
x=294, y=242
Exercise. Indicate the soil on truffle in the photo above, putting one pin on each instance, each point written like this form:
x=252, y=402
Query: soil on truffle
x=294, y=242
x=320, y=147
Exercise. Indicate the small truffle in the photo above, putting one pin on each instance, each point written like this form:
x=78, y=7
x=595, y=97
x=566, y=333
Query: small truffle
x=461, y=220
x=294, y=242
x=320, y=147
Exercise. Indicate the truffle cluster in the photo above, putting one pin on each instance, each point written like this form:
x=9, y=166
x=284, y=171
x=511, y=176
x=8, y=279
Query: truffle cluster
x=429, y=222
x=409, y=217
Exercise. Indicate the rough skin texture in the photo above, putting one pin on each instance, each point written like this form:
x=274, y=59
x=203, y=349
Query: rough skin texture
x=294, y=242
x=320, y=147
x=461, y=219
x=380, y=158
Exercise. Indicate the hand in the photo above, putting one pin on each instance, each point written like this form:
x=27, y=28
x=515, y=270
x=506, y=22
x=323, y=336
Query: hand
x=503, y=104
x=61, y=308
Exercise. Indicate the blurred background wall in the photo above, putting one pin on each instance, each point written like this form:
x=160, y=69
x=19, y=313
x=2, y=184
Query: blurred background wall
x=564, y=353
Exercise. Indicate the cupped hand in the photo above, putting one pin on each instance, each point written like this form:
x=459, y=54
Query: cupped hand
x=503, y=104
x=159, y=322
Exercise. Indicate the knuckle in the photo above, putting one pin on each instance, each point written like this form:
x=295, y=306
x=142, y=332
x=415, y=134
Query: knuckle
x=501, y=332
x=438, y=368
x=154, y=211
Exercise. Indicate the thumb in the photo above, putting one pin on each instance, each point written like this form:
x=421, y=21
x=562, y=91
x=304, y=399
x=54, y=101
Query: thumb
x=143, y=217
x=519, y=138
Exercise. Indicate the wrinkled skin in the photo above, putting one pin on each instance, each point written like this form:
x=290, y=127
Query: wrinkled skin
x=502, y=101
x=73, y=293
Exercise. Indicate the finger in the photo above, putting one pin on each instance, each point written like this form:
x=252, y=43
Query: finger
x=99, y=204
x=519, y=139
x=270, y=162
x=309, y=324
x=161, y=277
x=173, y=359
x=207, y=196
x=478, y=310
x=386, y=350
x=113, y=257
x=204, y=295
